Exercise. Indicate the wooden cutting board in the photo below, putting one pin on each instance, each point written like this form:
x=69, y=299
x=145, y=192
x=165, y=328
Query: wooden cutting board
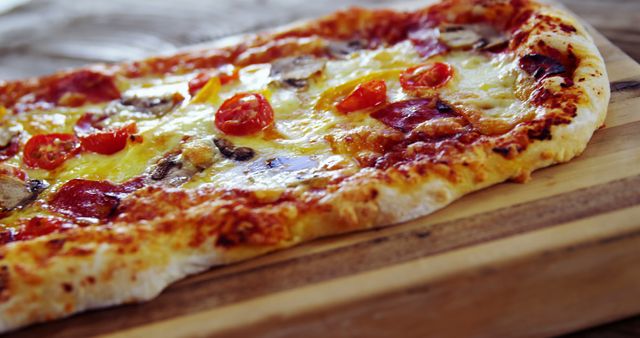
x=551, y=256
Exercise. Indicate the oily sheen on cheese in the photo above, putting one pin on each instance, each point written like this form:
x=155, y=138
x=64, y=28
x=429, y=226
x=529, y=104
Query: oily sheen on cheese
x=124, y=178
x=485, y=84
x=482, y=83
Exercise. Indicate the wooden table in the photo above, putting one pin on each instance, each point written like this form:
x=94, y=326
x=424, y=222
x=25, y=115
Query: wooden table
x=73, y=34
x=618, y=21
x=47, y=35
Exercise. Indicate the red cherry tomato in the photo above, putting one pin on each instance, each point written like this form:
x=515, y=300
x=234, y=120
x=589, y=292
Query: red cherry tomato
x=198, y=82
x=109, y=141
x=85, y=198
x=244, y=114
x=50, y=151
x=426, y=76
x=366, y=95
x=226, y=73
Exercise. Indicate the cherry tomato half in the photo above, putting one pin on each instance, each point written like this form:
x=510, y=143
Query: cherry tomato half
x=244, y=114
x=426, y=76
x=50, y=151
x=109, y=141
x=365, y=95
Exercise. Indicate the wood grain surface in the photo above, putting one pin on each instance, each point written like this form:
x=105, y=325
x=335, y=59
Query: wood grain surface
x=544, y=258
x=615, y=19
x=42, y=36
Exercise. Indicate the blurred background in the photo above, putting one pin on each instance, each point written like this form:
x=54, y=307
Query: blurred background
x=41, y=36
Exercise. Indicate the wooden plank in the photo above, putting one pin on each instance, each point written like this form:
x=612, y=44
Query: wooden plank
x=341, y=282
x=477, y=291
x=301, y=268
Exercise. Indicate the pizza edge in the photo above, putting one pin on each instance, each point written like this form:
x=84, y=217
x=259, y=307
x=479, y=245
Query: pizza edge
x=57, y=275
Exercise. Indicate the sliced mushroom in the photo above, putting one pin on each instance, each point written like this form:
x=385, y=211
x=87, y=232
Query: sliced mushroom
x=296, y=71
x=230, y=151
x=476, y=36
x=459, y=36
x=297, y=83
x=37, y=186
x=225, y=146
x=164, y=167
x=16, y=193
x=493, y=44
x=156, y=106
x=340, y=49
x=12, y=192
x=243, y=154
x=173, y=170
x=179, y=166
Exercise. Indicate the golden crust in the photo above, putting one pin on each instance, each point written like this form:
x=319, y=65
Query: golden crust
x=177, y=232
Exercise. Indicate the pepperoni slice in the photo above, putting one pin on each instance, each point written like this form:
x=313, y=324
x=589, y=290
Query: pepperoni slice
x=7, y=235
x=244, y=114
x=133, y=184
x=541, y=66
x=34, y=227
x=426, y=76
x=50, y=151
x=77, y=88
x=406, y=115
x=366, y=95
x=86, y=198
x=426, y=42
x=89, y=123
x=226, y=74
x=11, y=149
x=108, y=142
x=13, y=171
x=40, y=226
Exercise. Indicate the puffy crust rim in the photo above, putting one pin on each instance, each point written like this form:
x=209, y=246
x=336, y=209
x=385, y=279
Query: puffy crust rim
x=135, y=265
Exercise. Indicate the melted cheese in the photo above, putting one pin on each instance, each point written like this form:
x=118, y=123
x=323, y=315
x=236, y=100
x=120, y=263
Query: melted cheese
x=481, y=82
x=484, y=84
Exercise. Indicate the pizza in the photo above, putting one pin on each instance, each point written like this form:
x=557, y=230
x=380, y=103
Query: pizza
x=116, y=180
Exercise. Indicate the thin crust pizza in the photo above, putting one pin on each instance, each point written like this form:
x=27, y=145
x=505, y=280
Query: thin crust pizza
x=117, y=180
